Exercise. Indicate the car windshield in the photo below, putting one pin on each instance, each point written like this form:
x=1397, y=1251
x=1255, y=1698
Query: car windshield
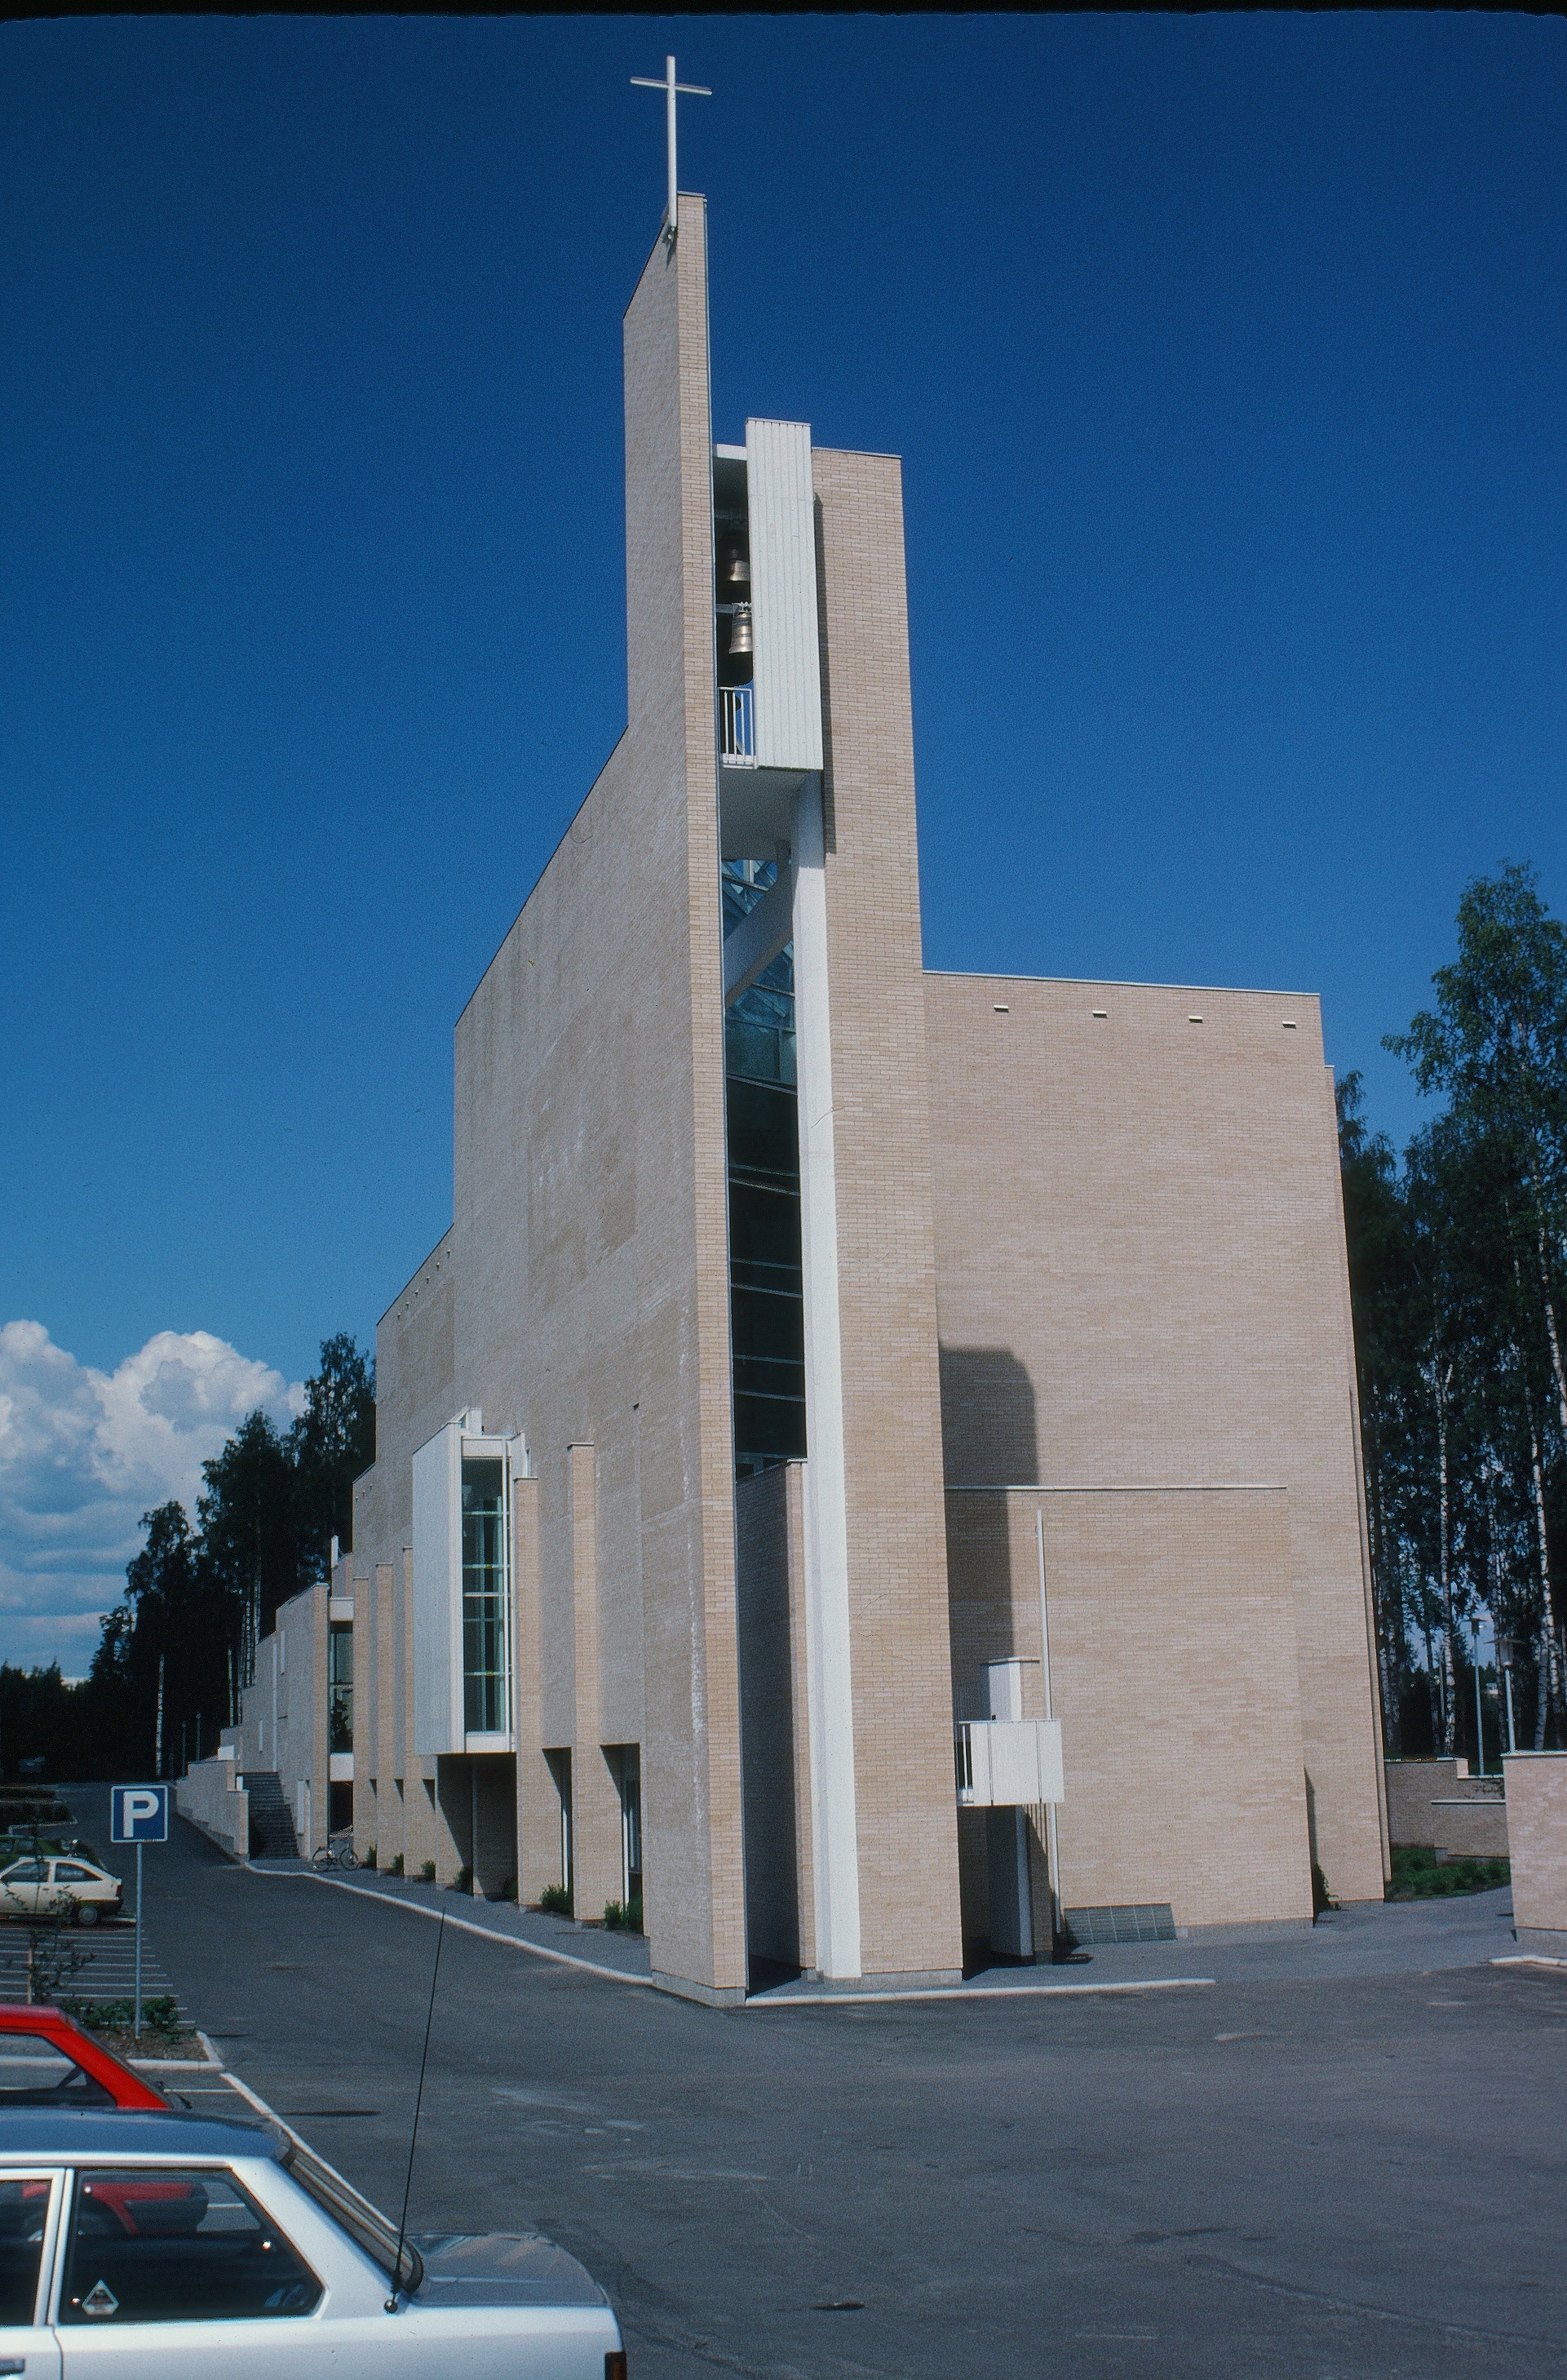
x=365, y=2224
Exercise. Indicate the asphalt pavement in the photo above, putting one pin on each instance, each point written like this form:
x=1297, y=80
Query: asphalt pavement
x=1325, y=2175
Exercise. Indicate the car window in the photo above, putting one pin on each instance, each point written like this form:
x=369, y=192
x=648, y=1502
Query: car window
x=26, y=1872
x=23, y=2207
x=35, y=2074
x=155, y=2244
x=69, y=1872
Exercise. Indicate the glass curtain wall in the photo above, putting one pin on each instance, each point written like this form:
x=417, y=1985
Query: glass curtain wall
x=767, y=1314
x=486, y=1664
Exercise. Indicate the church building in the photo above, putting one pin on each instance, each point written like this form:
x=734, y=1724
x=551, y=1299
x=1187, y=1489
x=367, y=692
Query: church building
x=871, y=1472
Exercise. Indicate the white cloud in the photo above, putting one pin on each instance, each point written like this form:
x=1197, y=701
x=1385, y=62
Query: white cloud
x=84, y=1454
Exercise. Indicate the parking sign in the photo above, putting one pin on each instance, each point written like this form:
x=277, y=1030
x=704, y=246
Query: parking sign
x=138, y=1814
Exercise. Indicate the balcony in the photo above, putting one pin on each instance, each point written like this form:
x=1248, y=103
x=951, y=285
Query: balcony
x=736, y=724
x=1008, y=1762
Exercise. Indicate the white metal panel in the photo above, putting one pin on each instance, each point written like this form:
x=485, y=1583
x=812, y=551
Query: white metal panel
x=1013, y=1763
x=438, y=1593
x=830, y=1696
x=787, y=670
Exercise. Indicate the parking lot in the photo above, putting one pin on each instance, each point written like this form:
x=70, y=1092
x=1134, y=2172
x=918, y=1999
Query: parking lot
x=1322, y=2177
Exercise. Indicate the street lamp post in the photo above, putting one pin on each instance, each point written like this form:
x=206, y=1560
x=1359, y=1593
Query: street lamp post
x=1504, y=1664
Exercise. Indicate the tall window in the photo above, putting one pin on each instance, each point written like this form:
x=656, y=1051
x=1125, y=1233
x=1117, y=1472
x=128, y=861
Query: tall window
x=340, y=1686
x=485, y=1662
x=767, y=1314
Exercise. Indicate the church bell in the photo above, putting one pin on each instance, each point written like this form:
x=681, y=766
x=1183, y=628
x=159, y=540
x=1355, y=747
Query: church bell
x=739, y=572
x=740, y=633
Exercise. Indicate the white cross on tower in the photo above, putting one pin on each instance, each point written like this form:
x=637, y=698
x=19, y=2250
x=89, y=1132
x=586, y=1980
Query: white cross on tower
x=670, y=87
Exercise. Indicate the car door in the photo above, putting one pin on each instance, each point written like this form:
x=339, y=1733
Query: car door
x=21, y=1887
x=30, y=2203
x=170, y=2273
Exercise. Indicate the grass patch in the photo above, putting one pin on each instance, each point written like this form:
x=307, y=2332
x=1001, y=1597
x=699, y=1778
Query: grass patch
x=1418, y=1874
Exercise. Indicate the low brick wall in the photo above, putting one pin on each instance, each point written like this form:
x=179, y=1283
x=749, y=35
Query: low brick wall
x=1474, y=1827
x=1426, y=1802
x=1537, y=1800
x=208, y=1797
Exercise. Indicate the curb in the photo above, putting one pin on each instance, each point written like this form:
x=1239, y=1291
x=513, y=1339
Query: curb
x=981, y=1992
x=1529, y=1958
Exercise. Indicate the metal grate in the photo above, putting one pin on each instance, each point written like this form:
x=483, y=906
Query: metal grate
x=1141, y=1921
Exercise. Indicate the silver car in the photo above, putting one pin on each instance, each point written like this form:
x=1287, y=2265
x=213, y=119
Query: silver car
x=171, y=2247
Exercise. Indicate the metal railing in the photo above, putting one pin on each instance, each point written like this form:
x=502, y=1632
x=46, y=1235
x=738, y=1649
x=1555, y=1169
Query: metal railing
x=736, y=724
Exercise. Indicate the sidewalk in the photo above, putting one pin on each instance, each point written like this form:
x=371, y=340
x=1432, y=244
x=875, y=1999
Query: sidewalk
x=587, y=1946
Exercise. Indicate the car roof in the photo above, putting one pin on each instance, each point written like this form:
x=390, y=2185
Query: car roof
x=29, y=2134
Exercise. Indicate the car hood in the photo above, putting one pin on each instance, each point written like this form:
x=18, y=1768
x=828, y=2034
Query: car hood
x=500, y=2269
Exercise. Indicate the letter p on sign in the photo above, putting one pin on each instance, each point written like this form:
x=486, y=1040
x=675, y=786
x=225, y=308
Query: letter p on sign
x=138, y=1814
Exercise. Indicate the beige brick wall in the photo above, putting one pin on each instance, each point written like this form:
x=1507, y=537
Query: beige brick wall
x=904, y=1801
x=1142, y=1280
x=582, y=1295
x=1421, y=1791
x=1537, y=1816
x=1171, y=1627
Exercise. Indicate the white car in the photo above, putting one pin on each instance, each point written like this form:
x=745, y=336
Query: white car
x=171, y=2247
x=60, y=1887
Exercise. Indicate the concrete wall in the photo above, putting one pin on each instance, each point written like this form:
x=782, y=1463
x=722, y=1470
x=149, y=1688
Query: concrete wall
x=207, y=1795
x=1536, y=1810
x=1141, y=1279
x=1173, y=1675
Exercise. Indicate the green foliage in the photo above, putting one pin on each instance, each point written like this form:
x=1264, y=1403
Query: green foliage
x=159, y=2015
x=427, y=1870
x=198, y=1599
x=1419, y=1875
x=1321, y=1899
x=556, y=1898
x=368, y=1859
x=463, y=1881
x=627, y=1919
x=1458, y=1266
x=397, y=1867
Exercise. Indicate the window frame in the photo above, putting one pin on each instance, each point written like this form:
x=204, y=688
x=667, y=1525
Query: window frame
x=49, y=2250
x=67, y=2202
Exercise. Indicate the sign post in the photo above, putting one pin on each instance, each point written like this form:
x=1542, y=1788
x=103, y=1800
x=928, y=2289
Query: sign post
x=138, y=1814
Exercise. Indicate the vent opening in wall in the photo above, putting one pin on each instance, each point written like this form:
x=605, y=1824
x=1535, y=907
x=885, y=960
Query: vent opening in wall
x=1289, y=1026
x=1101, y=1012
x=1002, y=1008
x=1194, y=1020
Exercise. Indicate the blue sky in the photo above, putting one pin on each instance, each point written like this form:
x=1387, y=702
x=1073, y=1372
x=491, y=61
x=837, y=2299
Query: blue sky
x=1226, y=359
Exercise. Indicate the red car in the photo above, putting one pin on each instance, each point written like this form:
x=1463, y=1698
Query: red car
x=49, y=2060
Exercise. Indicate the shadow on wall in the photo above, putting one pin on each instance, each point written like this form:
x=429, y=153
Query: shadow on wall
x=989, y=1429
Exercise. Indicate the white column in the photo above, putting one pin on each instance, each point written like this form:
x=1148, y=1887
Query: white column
x=831, y=1701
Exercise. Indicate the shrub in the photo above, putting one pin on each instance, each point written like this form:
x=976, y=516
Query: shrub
x=556, y=1898
x=397, y=1867
x=614, y=1915
x=159, y=2015
x=624, y=1918
x=463, y=1882
x=1419, y=1875
x=1321, y=1898
x=368, y=1859
x=426, y=1870
x=508, y=1890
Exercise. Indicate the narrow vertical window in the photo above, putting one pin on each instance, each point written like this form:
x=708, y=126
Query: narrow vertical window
x=486, y=1664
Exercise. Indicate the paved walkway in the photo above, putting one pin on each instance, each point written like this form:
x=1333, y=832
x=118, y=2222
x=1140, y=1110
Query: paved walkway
x=589, y=1945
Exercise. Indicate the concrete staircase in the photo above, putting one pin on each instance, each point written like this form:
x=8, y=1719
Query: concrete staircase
x=272, y=1828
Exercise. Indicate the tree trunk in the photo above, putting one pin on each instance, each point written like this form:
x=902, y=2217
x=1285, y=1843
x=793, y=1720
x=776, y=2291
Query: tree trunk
x=1444, y=1560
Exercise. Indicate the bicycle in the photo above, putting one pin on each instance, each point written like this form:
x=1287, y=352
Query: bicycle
x=339, y=1855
